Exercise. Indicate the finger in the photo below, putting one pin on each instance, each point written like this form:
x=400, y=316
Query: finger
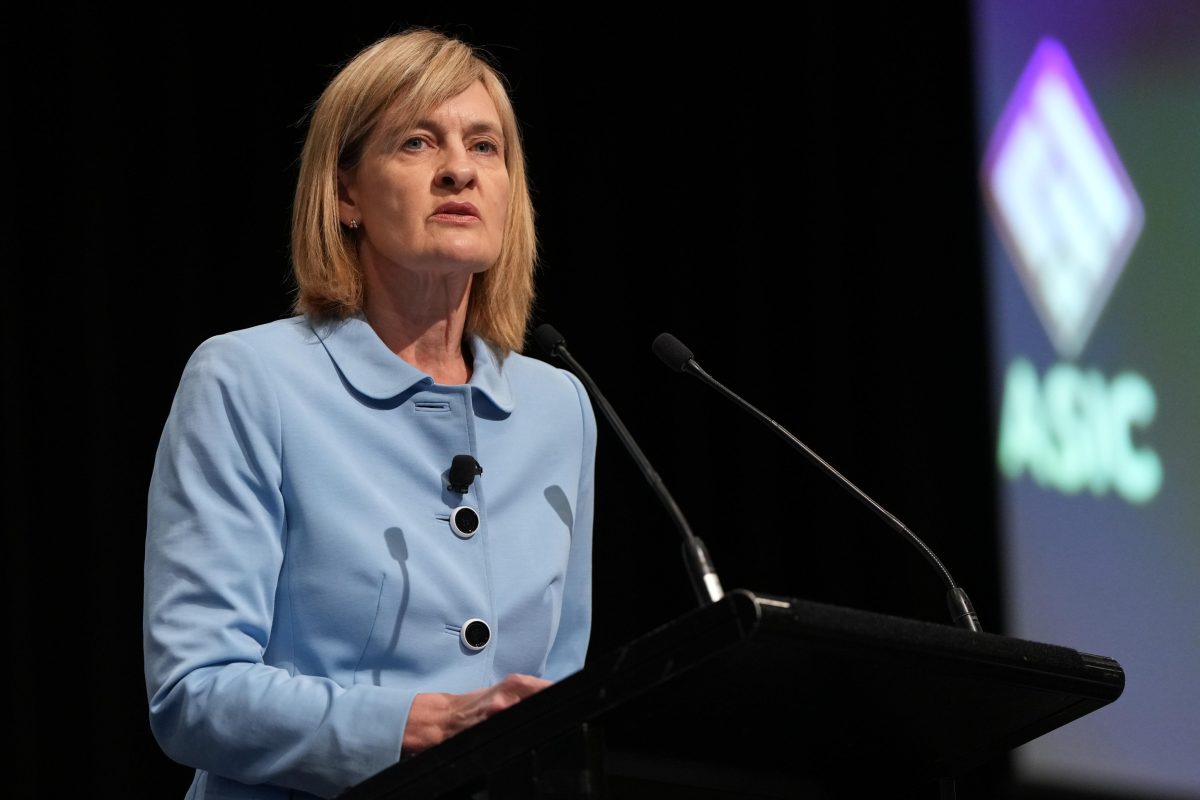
x=523, y=685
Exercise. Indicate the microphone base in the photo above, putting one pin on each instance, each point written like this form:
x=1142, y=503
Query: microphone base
x=962, y=611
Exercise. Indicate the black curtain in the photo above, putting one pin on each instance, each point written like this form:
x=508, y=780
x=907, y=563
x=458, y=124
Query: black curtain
x=789, y=190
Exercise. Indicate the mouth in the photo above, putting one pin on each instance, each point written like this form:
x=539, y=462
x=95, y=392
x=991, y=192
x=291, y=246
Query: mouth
x=458, y=210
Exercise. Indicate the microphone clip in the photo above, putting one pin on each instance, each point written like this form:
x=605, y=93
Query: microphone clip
x=463, y=469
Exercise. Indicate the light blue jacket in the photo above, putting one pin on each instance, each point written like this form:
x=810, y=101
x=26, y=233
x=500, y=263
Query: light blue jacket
x=302, y=578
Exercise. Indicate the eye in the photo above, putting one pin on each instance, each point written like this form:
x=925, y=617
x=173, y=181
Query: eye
x=413, y=143
x=485, y=146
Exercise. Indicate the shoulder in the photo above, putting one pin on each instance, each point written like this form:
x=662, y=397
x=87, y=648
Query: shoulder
x=244, y=362
x=277, y=334
x=534, y=369
x=540, y=376
x=552, y=393
x=253, y=345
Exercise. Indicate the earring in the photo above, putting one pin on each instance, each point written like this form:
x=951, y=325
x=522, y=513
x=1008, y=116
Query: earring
x=353, y=224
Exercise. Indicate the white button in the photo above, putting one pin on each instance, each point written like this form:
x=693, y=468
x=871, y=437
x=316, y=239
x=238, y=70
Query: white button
x=475, y=634
x=464, y=521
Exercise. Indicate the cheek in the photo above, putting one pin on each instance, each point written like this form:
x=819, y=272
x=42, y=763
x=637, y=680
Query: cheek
x=394, y=189
x=500, y=212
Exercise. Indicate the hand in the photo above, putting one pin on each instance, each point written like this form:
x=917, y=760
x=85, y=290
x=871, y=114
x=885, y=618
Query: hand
x=436, y=716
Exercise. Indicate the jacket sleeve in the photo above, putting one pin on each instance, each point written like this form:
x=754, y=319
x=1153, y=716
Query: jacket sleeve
x=569, y=651
x=215, y=541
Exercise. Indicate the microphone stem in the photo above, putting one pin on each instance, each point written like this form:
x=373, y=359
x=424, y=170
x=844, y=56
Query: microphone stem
x=895, y=523
x=704, y=579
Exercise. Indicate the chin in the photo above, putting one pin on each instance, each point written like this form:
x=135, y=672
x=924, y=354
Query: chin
x=473, y=261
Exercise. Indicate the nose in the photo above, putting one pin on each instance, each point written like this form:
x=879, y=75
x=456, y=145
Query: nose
x=457, y=170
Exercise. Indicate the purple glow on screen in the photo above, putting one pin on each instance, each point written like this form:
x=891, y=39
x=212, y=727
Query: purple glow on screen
x=1060, y=197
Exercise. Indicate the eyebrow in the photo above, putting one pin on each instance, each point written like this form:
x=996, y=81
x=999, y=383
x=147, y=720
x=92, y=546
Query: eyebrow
x=478, y=126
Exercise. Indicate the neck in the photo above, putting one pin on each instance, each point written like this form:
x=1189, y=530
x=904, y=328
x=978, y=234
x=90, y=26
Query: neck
x=425, y=327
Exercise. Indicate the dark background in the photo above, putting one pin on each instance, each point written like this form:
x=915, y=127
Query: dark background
x=792, y=193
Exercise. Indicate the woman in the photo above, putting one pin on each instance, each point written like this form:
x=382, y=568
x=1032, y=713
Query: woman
x=324, y=594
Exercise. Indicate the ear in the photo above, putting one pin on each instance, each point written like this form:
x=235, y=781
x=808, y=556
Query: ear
x=347, y=209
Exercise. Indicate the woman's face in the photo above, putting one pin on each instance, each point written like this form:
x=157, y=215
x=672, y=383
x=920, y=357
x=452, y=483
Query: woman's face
x=433, y=196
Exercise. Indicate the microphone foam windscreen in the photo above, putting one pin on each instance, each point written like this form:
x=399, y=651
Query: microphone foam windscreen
x=548, y=338
x=672, y=351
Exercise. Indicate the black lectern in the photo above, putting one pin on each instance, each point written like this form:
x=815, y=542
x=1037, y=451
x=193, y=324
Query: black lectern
x=764, y=696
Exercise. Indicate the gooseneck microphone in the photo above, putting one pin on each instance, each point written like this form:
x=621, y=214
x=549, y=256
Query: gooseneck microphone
x=679, y=358
x=704, y=578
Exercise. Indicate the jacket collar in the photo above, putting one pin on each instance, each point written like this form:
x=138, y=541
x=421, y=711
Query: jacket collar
x=367, y=364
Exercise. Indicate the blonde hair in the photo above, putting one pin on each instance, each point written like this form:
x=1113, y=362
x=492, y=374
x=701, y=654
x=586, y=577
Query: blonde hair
x=403, y=76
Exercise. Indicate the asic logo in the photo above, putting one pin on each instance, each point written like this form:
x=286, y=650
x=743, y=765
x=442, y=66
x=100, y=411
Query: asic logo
x=1061, y=200
x=1069, y=217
